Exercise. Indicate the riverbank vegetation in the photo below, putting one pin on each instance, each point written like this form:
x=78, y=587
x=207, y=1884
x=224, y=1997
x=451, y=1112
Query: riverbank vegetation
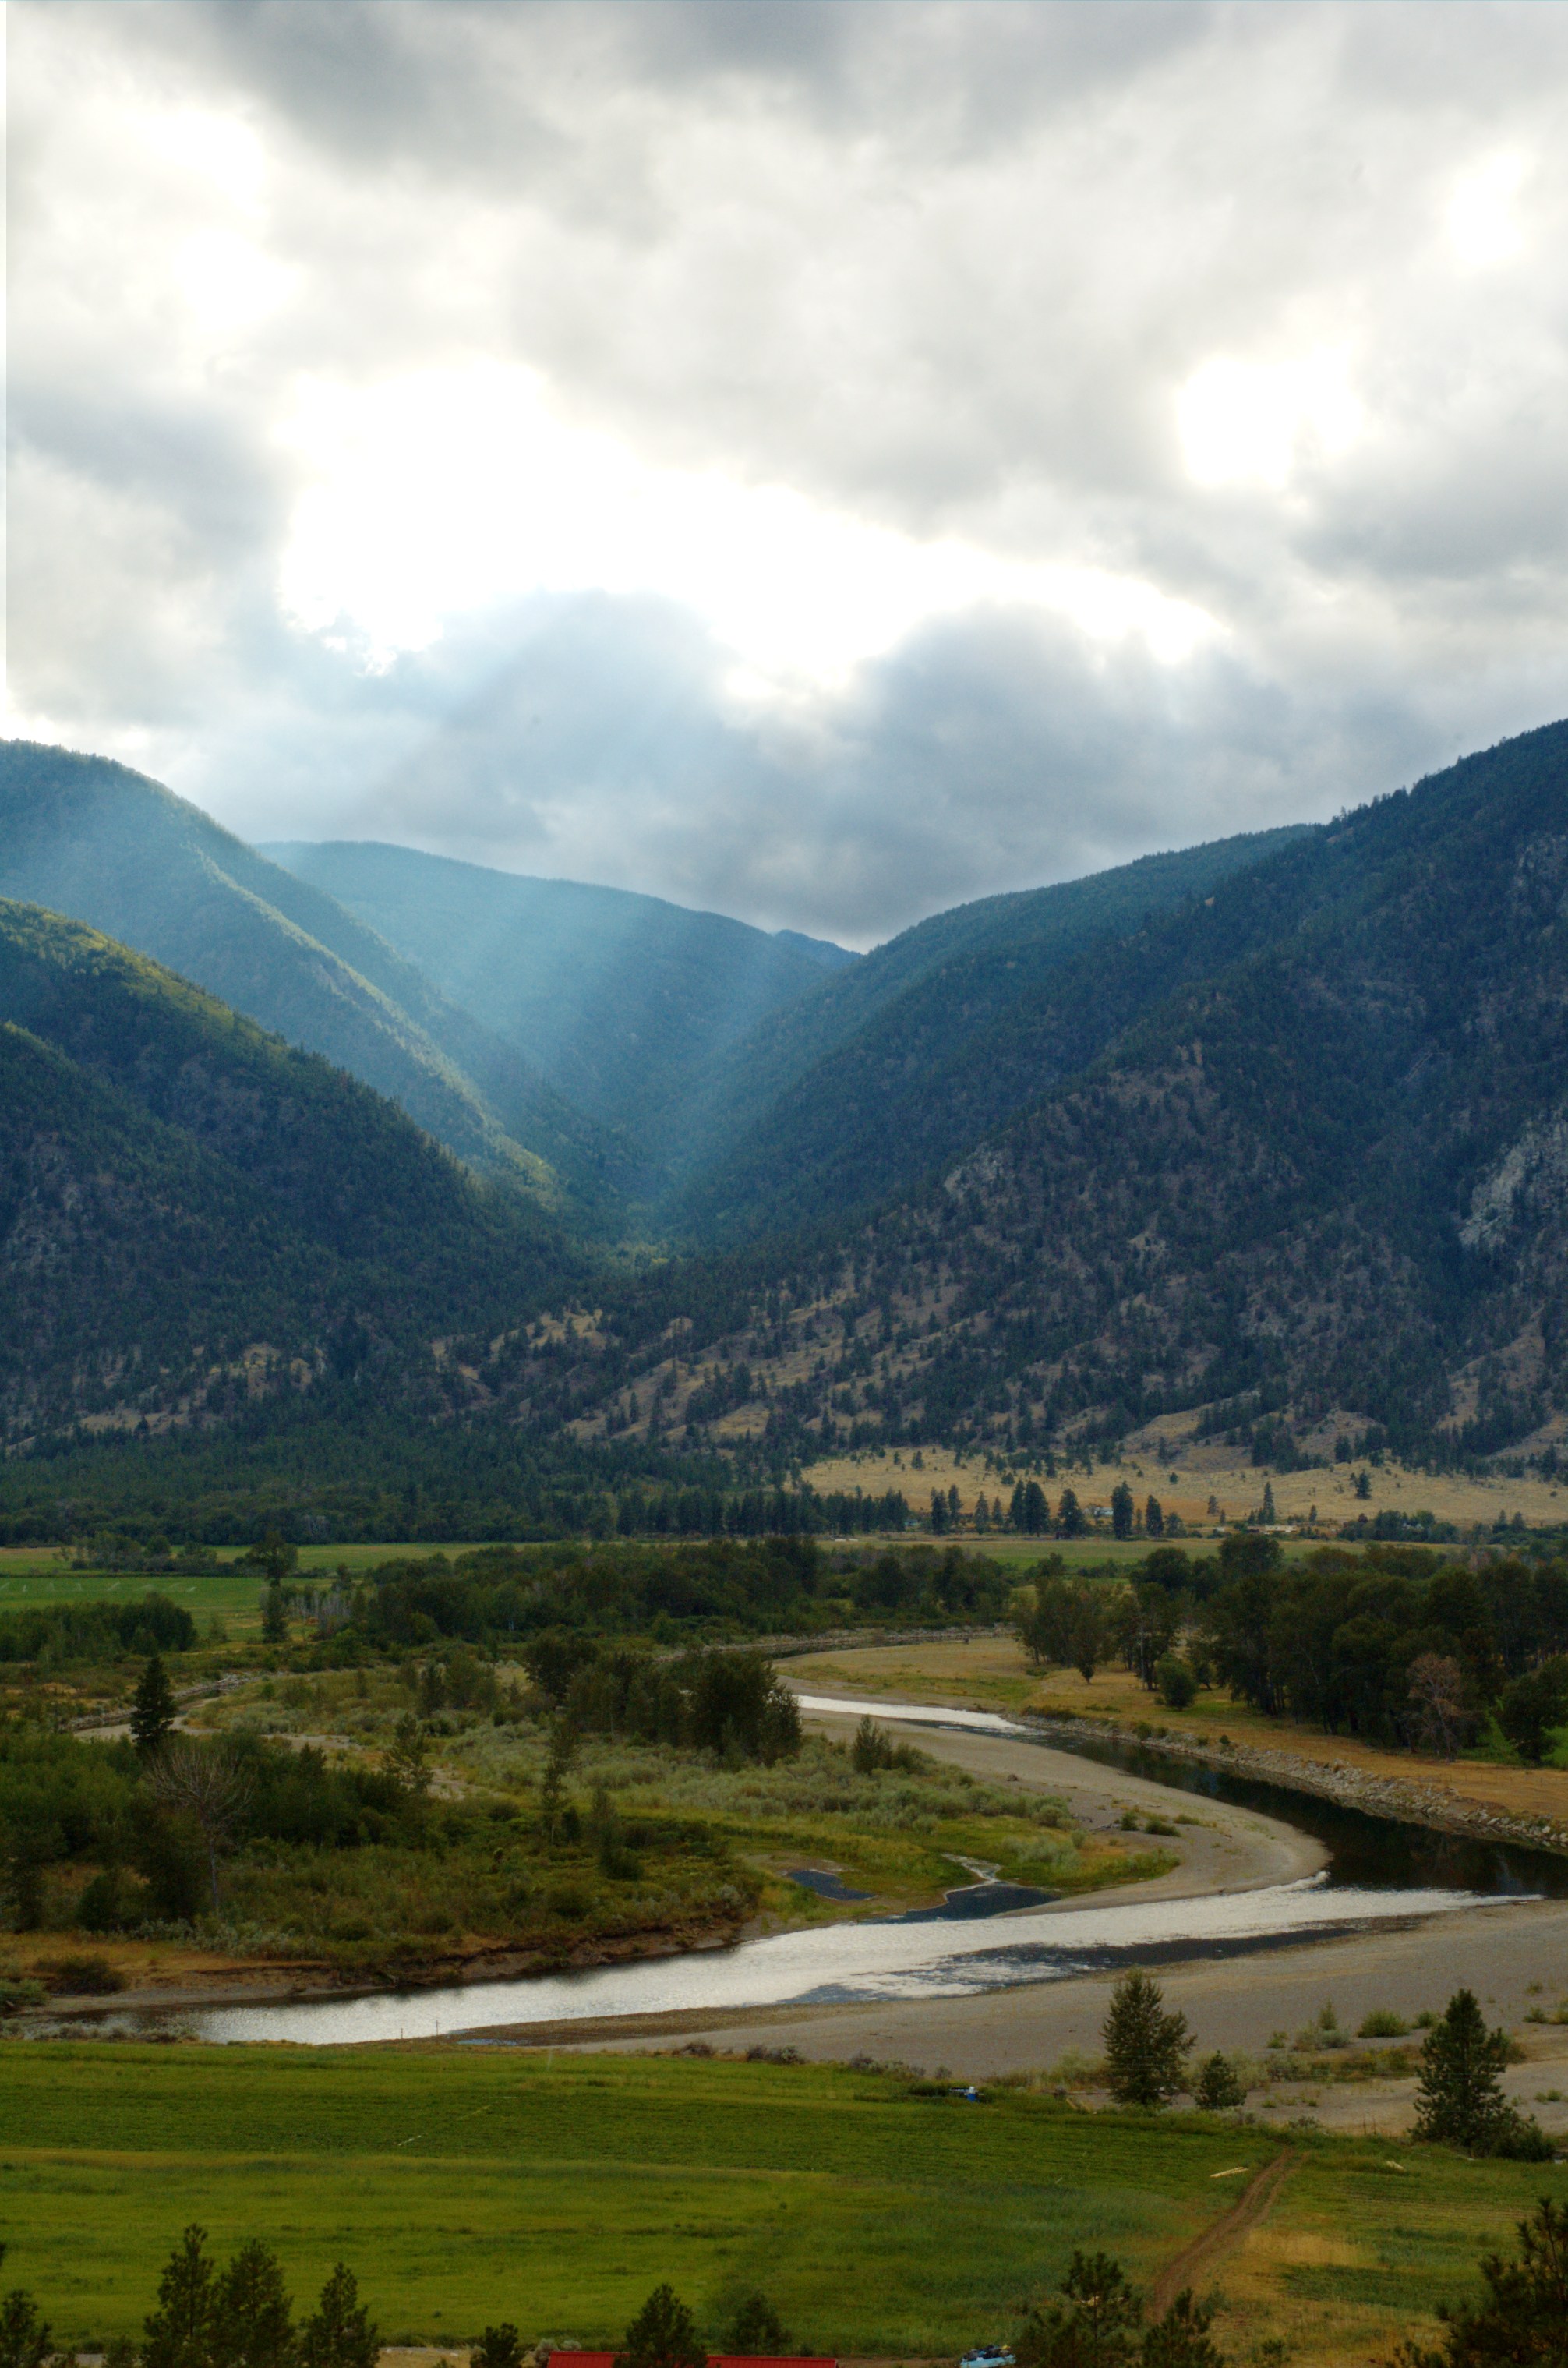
x=442, y=1808
x=878, y=2212
x=1395, y=1645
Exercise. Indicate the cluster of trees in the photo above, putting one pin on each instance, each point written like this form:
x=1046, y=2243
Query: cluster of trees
x=95, y=1632
x=153, y=1816
x=762, y=1587
x=239, y=2316
x=729, y=1704
x=1030, y=1512
x=1459, y=2096
x=1396, y=1644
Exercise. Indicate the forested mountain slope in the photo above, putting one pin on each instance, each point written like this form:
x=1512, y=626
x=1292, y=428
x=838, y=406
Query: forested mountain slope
x=898, y=1064
x=620, y=999
x=1307, y=1157
x=98, y=843
x=193, y=1215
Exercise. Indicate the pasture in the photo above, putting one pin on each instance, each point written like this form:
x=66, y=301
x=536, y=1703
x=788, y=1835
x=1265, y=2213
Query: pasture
x=465, y=2186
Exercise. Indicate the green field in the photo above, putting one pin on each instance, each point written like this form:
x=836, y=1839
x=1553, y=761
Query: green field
x=464, y=2187
x=32, y=1574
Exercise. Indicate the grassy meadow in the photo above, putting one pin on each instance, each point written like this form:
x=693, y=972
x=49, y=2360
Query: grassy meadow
x=465, y=2186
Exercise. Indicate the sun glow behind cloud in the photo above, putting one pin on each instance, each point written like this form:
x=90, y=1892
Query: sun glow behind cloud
x=1482, y=224
x=440, y=493
x=1257, y=423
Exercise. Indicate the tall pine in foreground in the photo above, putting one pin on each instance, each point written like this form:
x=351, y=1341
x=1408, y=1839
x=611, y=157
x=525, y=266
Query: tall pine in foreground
x=1145, y=2047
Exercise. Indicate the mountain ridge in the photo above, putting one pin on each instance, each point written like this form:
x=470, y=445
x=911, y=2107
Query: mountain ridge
x=99, y=843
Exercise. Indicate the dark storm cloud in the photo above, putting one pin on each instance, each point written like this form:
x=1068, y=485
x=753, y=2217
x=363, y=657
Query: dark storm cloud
x=943, y=268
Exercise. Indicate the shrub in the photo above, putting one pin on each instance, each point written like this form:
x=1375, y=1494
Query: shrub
x=1218, y=2089
x=1381, y=2023
x=1174, y=1682
x=82, y=1977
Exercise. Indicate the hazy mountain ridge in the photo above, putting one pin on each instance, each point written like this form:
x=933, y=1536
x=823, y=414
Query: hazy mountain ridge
x=621, y=1000
x=101, y=843
x=192, y=1213
x=1325, y=1171
x=938, y=1036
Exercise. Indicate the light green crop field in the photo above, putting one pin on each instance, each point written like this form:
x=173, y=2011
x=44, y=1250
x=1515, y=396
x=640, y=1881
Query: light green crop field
x=466, y=2186
x=34, y=1575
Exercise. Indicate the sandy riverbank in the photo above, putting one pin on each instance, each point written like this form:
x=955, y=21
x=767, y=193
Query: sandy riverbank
x=1512, y=1954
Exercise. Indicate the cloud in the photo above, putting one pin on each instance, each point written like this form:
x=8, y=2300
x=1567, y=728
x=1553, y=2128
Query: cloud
x=895, y=452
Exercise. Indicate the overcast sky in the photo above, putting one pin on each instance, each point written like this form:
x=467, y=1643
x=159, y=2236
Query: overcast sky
x=821, y=461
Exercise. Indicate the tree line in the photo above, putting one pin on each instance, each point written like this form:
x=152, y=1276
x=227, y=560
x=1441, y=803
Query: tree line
x=1398, y=1644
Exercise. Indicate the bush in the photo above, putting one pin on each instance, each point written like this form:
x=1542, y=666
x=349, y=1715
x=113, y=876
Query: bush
x=81, y=1977
x=1174, y=1683
x=1218, y=2089
x=1383, y=2024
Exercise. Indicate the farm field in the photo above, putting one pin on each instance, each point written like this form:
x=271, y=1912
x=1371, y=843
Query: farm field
x=32, y=1574
x=1209, y=1470
x=464, y=2187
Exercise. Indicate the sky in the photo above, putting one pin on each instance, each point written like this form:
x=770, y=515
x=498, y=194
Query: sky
x=820, y=461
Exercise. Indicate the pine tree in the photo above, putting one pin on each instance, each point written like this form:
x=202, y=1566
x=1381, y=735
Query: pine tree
x=253, y=2317
x=1070, y=1521
x=663, y=2335
x=1457, y=2096
x=498, y=2347
x=1154, y=1518
x=339, y=2333
x=24, y=2337
x=1218, y=2088
x=179, y=2333
x=152, y=1711
x=1145, y=2048
x=1525, y=2314
x=1122, y=1514
x=755, y=2329
x=1269, y=1514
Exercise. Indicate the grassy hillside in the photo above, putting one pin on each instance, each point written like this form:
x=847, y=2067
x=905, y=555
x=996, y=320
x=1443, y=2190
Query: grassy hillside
x=918, y=1050
x=102, y=845
x=1299, y=1148
x=191, y=1211
x=620, y=999
x=556, y=2192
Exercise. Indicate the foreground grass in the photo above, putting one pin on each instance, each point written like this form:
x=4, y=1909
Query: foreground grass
x=468, y=2187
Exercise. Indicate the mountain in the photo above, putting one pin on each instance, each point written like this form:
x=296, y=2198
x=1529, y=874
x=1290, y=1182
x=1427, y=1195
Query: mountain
x=101, y=844
x=1300, y=1160
x=195, y=1217
x=896, y=1065
x=620, y=1000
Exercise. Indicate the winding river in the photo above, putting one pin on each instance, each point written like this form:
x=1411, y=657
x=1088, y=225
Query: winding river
x=1378, y=1872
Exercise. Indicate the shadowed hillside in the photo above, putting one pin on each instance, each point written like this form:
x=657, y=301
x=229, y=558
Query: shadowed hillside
x=101, y=843
x=1303, y=1157
x=620, y=1000
x=194, y=1216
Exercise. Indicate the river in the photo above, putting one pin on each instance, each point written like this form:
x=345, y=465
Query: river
x=1378, y=1872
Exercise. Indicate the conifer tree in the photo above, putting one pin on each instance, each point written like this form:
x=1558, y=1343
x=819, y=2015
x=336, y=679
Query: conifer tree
x=755, y=2329
x=1122, y=1515
x=339, y=2333
x=1145, y=2048
x=24, y=2337
x=152, y=1710
x=253, y=2318
x=1154, y=1518
x=498, y=2347
x=1523, y=2314
x=663, y=2335
x=1458, y=2095
x=179, y=2333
